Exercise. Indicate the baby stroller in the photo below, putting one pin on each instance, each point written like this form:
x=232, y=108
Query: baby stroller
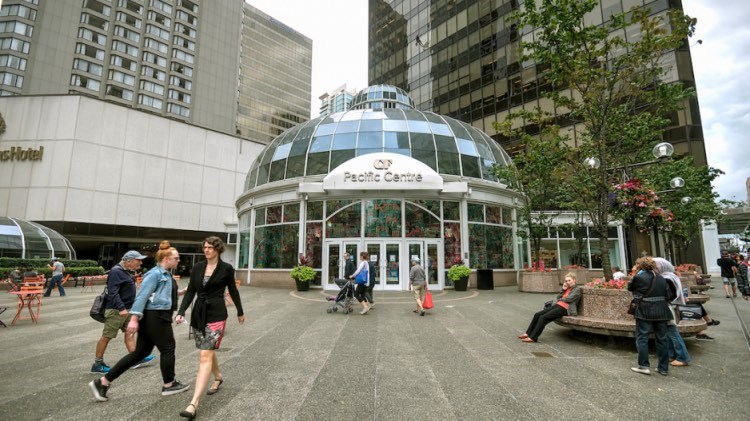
x=343, y=299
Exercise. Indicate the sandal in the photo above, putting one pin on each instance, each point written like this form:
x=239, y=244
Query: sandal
x=213, y=390
x=527, y=339
x=187, y=414
x=524, y=336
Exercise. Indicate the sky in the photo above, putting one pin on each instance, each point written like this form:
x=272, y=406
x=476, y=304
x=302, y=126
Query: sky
x=721, y=64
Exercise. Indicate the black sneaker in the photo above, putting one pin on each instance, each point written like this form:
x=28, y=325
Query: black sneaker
x=713, y=323
x=703, y=337
x=99, y=390
x=176, y=387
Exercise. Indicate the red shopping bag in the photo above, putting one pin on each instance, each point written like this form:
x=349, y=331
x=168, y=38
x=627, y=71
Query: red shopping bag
x=427, y=302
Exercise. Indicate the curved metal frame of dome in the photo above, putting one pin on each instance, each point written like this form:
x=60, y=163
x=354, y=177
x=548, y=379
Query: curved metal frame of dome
x=29, y=240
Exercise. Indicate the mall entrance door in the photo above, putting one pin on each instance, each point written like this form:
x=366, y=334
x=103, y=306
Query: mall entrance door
x=428, y=252
x=391, y=274
x=336, y=263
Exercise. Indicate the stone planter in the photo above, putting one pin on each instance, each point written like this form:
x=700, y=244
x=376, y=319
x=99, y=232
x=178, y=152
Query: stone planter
x=538, y=282
x=582, y=275
x=605, y=303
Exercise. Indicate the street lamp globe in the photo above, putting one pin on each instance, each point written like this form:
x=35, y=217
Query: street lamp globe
x=685, y=200
x=677, y=183
x=592, y=163
x=663, y=150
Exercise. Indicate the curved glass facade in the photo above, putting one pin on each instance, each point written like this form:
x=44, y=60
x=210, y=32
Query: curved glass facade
x=28, y=240
x=448, y=146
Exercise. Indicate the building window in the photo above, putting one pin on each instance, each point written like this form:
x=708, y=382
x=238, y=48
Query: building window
x=97, y=6
x=13, y=62
x=189, y=5
x=178, y=109
x=155, y=30
x=125, y=48
x=88, y=67
x=18, y=10
x=11, y=79
x=119, y=92
x=156, y=45
x=89, y=51
x=153, y=58
x=19, y=28
x=131, y=5
x=85, y=82
x=180, y=82
x=130, y=20
x=180, y=96
x=92, y=36
x=160, y=19
x=276, y=239
x=95, y=21
x=181, y=55
x=159, y=4
x=122, y=77
x=182, y=15
x=123, y=62
x=149, y=101
x=178, y=40
x=152, y=87
x=180, y=68
x=151, y=72
x=178, y=27
x=127, y=33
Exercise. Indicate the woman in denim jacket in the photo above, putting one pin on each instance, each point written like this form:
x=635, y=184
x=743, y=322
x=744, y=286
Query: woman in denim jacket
x=152, y=319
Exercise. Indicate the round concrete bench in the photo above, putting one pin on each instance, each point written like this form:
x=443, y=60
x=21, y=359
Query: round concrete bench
x=604, y=311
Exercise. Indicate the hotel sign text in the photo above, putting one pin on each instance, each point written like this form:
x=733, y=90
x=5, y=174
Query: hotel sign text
x=19, y=154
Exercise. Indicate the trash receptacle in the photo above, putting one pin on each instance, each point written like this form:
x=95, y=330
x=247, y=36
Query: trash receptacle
x=484, y=279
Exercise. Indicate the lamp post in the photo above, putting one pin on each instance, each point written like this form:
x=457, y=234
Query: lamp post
x=661, y=152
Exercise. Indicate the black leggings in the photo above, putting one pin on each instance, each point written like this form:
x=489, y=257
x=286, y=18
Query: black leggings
x=153, y=330
x=544, y=317
x=361, y=292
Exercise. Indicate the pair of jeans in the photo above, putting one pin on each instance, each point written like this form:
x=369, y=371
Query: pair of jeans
x=153, y=330
x=542, y=318
x=56, y=280
x=677, y=348
x=642, y=330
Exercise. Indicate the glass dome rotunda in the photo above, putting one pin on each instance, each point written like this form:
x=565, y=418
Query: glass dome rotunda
x=382, y=119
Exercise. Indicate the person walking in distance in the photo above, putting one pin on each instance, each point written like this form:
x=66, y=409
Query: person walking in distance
x=121, y=291
x=728, y=272
x=361, y=290
x=417, y=281
x=209, y=280
x=57, y=275
x=151, y=318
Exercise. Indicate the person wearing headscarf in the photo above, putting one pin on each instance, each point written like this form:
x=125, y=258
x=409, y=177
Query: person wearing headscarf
x=678, y=353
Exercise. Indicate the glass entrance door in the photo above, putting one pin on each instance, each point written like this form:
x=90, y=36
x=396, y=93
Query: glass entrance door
x=427, y=251
x=336, y=262
x=386, y=256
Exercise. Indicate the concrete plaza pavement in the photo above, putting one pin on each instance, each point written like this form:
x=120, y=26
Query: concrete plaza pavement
x=293, y=361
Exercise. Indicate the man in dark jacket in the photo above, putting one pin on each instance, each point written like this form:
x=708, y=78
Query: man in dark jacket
x=349, y=266
x=728, y=271
x=121, y=289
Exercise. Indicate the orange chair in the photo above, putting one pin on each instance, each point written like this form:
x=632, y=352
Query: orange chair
x=33, y=290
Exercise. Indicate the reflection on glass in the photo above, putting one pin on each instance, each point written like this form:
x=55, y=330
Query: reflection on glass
x=392, y=253
x=383, y=218
x=421, y=223
x=345, y=223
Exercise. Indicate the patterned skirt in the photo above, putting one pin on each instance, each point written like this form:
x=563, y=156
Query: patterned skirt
x=210, y=337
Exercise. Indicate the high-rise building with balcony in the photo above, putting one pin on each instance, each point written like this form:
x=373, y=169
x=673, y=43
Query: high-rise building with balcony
x=221, y=65
x=336, y=101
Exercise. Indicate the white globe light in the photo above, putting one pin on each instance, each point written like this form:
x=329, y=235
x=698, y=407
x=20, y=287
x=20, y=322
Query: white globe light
x=663, y=150
x=685, y=200
x=677, y=183
x=592, y=163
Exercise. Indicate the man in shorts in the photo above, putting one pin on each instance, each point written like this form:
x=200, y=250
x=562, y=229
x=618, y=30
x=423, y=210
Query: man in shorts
x=728, y=272
x=121, y=289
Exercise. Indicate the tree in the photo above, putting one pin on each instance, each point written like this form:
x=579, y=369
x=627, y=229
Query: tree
x=611, y=87
x=538, y=173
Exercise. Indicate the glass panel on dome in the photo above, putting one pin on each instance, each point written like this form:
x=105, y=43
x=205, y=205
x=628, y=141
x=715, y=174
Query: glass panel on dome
x=339, y=157
x=282, y=152
x=426, y=157
x=295, y=166
x=416, y=126
x=370, y=140
x=483, y=150
x=372, y=115
x=325, y=129
x=320, y=144
x=394, y=115
x=420, y=223
x=448, y=163
x=347, y=126
x=467, y=147
x=445, y=144
x=317, y=163
x=352, y=115
x=345, y=223
x=470, y=166
x=371, y=126
x=488, y=169
x=263, y=174
x=395, y=125
x=442, y=129
x=458, y=129
x=250, y=180
x=344, y=141
x=299, y=147
x=35, y=242
x=383, y=218
x=277, y=170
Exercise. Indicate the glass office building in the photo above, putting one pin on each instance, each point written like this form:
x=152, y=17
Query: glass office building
x=384, y=178
x=460, y=58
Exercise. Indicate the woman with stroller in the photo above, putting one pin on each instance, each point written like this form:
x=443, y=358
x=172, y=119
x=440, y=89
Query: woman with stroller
x=361, y=290
x=209, y=280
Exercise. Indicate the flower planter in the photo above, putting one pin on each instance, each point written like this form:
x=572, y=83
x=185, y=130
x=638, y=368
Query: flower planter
x=461, y=284
x=302, y=286
x=582, y=275
x=604, y=303
x=538, y=282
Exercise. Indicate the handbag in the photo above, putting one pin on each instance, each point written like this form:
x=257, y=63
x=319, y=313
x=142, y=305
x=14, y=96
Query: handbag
x=549, y=303
x=362, y=277
x=427, y=302
x=100, y=304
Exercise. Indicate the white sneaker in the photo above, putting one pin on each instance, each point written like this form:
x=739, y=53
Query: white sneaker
x=645, y=371
x=365, y=311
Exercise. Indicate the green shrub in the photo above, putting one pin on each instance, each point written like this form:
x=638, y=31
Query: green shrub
x=457, y=272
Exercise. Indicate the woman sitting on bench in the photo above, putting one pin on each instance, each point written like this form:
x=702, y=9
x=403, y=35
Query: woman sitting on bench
x=566, y=304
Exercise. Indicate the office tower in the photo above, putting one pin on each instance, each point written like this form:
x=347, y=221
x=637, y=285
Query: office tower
x=336, y=101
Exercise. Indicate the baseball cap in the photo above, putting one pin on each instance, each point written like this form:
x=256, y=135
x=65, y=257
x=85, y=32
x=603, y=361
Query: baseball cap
x=416, y=259
x=55, y=258
x=133, y=255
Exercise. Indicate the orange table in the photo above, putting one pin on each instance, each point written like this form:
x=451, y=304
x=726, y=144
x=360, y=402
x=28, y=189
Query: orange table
x=27, y=299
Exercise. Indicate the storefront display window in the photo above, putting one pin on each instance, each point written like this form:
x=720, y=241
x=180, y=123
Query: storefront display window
x=275, y=246
x=383, y=218
x=345, y=222
x=421, y=222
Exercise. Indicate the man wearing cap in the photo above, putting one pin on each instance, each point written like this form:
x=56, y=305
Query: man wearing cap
x=57, y=275
x=121, y=289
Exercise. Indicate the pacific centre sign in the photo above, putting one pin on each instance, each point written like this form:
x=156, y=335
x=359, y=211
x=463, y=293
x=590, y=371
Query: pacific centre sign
x=383, y=171
x=19, y=154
